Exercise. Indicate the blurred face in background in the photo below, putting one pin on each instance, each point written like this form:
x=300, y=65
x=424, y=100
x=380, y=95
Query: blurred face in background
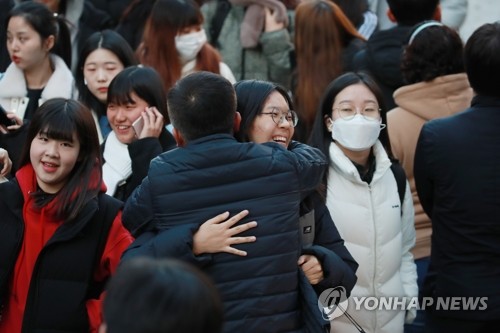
x=25, y=45
x=100, y=67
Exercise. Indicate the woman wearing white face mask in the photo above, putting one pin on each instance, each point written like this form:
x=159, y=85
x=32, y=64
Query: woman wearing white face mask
x=175, y=44
x=370, y=201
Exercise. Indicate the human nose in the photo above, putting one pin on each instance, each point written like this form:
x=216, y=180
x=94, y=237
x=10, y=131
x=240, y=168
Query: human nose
x=101, y=75
x=13, y=43
x=52, y=149
x=120, y=115
x=283, y=122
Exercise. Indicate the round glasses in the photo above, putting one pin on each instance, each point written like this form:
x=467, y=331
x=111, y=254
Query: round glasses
x=278, y=116
x=348, y=111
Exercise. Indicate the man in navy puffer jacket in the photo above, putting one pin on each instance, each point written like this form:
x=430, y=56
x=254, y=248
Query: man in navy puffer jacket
x=212, y=173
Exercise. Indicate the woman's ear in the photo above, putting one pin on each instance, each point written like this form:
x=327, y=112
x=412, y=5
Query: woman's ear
x=328, y=123
x=49, y=43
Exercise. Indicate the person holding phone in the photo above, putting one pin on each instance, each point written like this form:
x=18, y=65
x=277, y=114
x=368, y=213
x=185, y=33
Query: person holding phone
x=137, y=114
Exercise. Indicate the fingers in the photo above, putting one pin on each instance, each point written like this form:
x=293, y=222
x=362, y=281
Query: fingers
x=236, y=218
x=218, y=219
x=234, y=251
x=242, y=240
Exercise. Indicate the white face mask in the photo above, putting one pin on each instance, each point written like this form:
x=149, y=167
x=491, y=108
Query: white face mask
x=189, y=45
x=356, y=134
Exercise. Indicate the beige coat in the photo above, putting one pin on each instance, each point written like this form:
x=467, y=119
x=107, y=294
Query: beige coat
x=418, y=103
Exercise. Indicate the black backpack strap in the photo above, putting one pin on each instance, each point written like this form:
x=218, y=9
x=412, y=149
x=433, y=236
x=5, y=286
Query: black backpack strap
x=223, y=8
x=400, y=176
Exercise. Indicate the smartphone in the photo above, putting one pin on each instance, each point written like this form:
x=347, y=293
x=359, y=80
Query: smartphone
x=138, y=125
x=4, y=120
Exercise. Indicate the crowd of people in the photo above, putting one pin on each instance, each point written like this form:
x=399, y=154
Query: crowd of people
x=210, y=166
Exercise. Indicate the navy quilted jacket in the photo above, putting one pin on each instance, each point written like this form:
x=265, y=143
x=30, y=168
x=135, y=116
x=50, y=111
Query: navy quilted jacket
x=187, y=186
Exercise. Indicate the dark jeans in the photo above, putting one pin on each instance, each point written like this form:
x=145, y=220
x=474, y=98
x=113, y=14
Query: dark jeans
x=418, y=325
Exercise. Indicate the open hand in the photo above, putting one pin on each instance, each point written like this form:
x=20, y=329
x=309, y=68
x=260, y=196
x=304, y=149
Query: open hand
x=219, y=234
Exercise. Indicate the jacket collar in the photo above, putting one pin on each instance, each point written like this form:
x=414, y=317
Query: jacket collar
x=485, y=101
x=60, y=83
x=343, y=165
x=211, y=138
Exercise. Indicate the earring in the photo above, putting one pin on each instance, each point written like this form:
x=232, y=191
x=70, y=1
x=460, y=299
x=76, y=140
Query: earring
x=85, y=81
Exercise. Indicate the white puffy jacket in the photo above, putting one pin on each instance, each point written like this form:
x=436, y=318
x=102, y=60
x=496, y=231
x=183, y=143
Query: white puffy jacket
x=379, y=237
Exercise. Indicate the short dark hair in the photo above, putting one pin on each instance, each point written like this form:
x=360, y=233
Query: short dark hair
x=157, y=296
x=251, y=96
x=202, y=104
x=59, y=119
x=109, y=40
x=411, y=12
x=145, y=82
x=423, y=63
x=482, y=60
x=320, y=137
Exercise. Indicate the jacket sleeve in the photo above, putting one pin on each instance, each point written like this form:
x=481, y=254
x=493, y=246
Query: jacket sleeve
x=421, y=170
x=118, y=240
x=276, y=47
x=339, y=267
x=408, y=268
x=141, y=152
x=175, y=243
x=138, y=213
x=310, y=164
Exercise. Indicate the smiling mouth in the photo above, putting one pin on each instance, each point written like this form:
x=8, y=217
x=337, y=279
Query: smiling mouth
x=280, y=139
x=122, y=127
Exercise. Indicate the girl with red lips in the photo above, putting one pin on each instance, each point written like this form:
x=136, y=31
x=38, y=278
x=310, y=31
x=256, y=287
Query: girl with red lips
x=39, y=47
x=61, y=235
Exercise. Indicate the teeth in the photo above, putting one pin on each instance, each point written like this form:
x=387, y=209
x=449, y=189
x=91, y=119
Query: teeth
x=279, y=138
x=123, y=127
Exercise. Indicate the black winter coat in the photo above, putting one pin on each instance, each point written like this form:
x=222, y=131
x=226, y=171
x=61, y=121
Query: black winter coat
x=187, y=186
x=457, y=175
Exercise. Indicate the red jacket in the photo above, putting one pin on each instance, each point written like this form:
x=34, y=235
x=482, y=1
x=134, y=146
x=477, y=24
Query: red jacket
x=39, y=226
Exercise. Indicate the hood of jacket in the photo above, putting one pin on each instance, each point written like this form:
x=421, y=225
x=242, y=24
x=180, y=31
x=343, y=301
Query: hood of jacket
x=383, y=52
x=441, y=97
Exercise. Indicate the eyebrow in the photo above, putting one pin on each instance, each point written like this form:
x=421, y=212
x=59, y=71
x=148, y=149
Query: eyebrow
x=365, y=101
x=105, y=63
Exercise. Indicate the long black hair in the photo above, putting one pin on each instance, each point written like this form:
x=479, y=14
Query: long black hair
x=108, y=40
x=46, y=24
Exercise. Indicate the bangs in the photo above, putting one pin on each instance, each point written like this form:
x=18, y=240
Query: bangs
x=58, y=126
x=119, y=92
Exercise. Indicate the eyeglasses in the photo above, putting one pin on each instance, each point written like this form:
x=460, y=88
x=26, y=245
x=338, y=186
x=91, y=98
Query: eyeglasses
x=278, y=116
x=347, y=111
